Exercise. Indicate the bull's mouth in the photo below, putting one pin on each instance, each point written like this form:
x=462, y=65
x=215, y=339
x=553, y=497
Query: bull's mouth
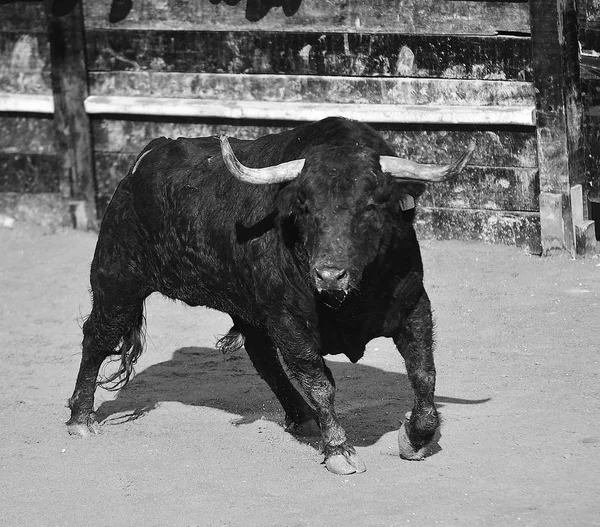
x=333, y=298
x=332, y=283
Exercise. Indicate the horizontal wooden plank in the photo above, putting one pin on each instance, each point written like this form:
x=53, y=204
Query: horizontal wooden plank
x=511, y=228
x=26, y=135
x=197, y=108
x=21, y=16
x=491, y=188
x=289, y=111
x=488, y=188
x=26, y=103
x=253, y=52
x=28, y=173
x=402, y=16
x=24, y=61
x=590, y=66
x=47, y=209
x=491, y=225
x=32, y=83
x=130, y=136
x=314, y=89
x=494, y=147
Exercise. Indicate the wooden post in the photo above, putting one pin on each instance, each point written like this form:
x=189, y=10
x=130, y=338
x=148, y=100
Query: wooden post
x=559, y=117
x=71, y=122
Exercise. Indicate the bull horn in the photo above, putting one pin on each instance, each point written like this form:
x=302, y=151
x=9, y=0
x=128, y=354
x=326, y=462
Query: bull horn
x=259, y=176
x=405, y=169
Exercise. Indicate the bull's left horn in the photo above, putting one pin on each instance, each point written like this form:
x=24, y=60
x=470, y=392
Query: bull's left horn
x=405, y=169
x=259, y=176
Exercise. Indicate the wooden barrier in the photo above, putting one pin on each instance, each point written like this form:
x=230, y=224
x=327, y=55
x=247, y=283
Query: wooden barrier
x=290, y=111
x=430, y=74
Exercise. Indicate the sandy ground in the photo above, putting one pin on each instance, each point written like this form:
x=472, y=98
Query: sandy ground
x=198, y=440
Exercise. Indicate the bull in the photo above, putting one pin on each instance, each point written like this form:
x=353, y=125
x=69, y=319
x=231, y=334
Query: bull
x=305, y=238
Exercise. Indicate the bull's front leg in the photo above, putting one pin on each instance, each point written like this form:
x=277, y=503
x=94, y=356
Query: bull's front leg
x=415, y=342
x=306, y=368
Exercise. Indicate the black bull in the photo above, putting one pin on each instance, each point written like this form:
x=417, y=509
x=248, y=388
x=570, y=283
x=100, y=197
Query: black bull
x=312, y=255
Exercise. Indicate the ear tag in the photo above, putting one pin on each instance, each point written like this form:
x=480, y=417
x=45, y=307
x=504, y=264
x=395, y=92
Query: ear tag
x=407, y=202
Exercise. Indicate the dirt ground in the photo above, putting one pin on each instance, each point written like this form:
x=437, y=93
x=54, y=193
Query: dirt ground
x=198, y=440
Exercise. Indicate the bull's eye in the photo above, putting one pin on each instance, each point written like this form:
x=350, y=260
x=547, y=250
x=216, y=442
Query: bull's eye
x=371, y=206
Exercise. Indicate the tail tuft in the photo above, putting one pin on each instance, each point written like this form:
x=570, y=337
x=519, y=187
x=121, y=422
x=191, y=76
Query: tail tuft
x=232, y=342
x=132, y=346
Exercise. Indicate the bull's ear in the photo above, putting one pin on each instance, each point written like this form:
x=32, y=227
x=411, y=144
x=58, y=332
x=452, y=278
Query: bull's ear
x=287, y=200
x=407, y=202
x=408, y=192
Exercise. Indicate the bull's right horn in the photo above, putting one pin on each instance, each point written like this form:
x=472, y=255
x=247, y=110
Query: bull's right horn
x=405, y=169
x=259, y=176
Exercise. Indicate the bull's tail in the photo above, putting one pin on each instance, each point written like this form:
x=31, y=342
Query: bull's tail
x=130, y=348
x=231, y=342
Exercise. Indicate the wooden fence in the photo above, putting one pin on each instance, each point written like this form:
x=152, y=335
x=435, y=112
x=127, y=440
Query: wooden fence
x=81, y=94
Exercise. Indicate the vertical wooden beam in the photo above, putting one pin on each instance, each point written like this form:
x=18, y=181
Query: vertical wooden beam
x=559, y=115
x=71, y=122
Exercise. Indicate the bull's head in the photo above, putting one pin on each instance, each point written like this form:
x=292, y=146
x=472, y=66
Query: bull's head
x=346, y=202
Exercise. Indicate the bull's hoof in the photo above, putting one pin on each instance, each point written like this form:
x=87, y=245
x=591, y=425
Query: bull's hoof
x=307, y=428
x=406, y=448
x=83, y=429
x=343, y=460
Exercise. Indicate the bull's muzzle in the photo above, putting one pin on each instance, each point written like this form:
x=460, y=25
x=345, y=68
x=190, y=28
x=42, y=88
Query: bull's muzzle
x=329, y=278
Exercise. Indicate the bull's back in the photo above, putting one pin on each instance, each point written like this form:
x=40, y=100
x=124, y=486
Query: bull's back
x=178, y=213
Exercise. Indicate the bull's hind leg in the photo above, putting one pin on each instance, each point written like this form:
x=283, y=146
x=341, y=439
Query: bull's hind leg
x=114, y=326
x=415, y=343
x=299, y=416
x=113, y=329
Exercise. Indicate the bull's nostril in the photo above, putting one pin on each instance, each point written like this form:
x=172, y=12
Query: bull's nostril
x=330, y=274
x=341, y=274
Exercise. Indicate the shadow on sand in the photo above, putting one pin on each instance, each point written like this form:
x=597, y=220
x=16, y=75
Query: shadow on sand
x=369, y=401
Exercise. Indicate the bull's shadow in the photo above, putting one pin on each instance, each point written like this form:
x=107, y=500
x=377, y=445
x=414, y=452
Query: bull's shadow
x=369, y=401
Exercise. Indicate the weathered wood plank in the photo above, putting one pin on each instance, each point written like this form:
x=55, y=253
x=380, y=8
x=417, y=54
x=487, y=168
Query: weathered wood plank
x=401, y=16
x=29, y=173
x=304, y=111
x=493, y=226
x=46, y=209
x=559, y=106
x=24, y=60
x=512, y=228
x=22, y=17
x=302, y=53
x=24, y=103
x=592, y=143
x=478, y=188
x=314, y=89
x=130, y=136
x=494, y=147
x=26, y=135
x=72, y=125
x=488, y=188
